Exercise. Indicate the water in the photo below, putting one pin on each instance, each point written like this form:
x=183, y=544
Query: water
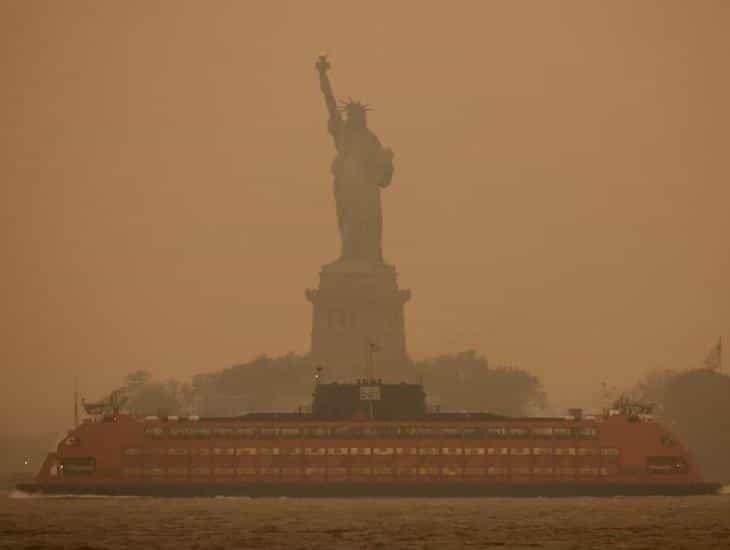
x=110, y=522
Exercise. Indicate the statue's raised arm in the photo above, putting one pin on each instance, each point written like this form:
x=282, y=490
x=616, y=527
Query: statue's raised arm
x=323, y=66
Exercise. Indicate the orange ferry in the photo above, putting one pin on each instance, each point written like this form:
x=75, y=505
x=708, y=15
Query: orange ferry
x=371, y=439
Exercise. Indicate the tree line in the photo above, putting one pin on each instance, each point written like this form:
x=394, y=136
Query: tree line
x=458, y=382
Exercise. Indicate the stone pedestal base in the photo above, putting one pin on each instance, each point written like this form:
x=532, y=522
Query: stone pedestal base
x=357, y=304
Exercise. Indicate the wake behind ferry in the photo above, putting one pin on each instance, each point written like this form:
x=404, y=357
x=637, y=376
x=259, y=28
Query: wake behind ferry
x=370, y=438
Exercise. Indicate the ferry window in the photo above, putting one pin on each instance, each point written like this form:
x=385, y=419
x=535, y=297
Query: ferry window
x=315, y=451
x=224, y=451
x=200, y=452
x=428, y=451
x=246, y=471
x=177, y=471
x=132, y=452
x=451, y=471
x=609, y=452
x=153, y=471
x=471, y=451
x=520, y=470
x=382, y=470
x=542, y=451
x=337, y=451
x=291, y=451
x=563, y=451
x=223, y=471
x=246, y=451
x=268, y=450
x=132, y=472
x=289, y=433
x=666, y=465
x=200, y=433
x=496, y=470
x=268, y=433
x=542, y=432
x=317, y=432
x=588, y=471
x=496, y=432
x=200, y=471
x=383, y=451
x=473, y=433
x=583, y=451
x=346, y=432
x=406, y=431
x=246, y=433
x=179, y=433
x=520, y=451
x=387, y=432
x=178, y=452
x=360, y=470
x=519, y=433
x=369, y=431
x=153, y=451
x=406, y=450
x=451, y=432
x=451, y=450
x=78, y=465
x=428, y=471
x=359, y=450
x=155, y=432
x=587, y=433
x=469, y=471
x=563, y=433
x=497, y=451
x=542, y=471
x=223, y=433
x=427, y=433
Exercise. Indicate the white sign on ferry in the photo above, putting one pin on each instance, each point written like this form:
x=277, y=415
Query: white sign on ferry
x=369, y=393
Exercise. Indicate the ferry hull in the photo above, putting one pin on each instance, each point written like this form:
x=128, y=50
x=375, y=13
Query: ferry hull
x=344, y=490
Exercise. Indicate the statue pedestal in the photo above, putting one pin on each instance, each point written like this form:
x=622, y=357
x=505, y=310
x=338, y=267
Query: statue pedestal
x=358, y=303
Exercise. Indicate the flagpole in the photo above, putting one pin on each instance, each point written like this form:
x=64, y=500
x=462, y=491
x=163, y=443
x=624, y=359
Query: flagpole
x=76, y=402
x=713, y=361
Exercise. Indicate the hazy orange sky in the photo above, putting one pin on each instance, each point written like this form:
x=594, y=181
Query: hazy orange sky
x=560, y=201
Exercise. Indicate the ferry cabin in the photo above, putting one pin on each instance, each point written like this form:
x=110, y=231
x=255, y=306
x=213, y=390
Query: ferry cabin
x=299, y=449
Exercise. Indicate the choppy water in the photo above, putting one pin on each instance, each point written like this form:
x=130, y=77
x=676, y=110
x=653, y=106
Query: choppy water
x=109, y=523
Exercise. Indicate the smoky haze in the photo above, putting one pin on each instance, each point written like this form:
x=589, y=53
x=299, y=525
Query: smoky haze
x=560, y=200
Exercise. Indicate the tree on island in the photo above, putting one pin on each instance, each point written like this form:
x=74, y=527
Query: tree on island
x=465, y=381
x=457, y=382
x=695, y=405
x=143, y=396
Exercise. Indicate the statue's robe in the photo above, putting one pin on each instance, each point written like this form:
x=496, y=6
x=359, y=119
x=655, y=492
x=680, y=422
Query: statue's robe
x=361, y=169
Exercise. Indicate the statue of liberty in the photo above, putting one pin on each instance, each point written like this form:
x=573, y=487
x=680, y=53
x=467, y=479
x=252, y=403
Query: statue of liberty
x=361, y=169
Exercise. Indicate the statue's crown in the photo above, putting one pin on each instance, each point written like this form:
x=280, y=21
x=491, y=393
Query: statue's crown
x=354, y=107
